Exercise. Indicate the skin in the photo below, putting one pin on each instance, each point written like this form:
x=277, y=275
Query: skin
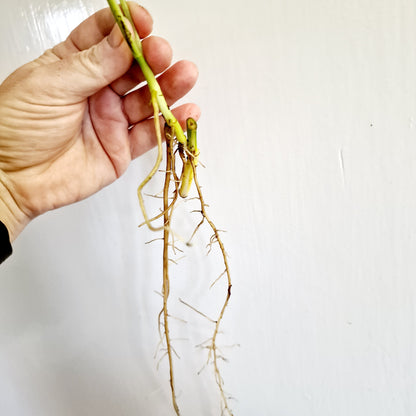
x=69, y=127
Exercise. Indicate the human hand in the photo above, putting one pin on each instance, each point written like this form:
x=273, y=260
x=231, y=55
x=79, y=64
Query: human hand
x=69, y=127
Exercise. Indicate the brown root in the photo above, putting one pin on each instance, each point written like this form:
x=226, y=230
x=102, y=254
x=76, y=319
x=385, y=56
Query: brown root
x=166, y=283
x=213, y=355
x=170, y=197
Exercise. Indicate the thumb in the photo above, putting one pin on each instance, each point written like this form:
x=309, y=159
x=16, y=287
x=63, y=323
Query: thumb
x=82, y=74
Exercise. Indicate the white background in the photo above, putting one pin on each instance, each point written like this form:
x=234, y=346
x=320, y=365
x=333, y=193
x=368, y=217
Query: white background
x=308, y=135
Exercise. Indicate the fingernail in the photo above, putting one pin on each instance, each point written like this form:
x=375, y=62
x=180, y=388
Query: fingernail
x=115, y=38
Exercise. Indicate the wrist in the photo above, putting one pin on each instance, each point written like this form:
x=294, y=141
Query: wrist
x=11, y=214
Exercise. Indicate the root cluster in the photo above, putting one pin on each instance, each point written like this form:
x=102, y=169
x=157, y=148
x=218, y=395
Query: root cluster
x=177, y=144
x=173, y=180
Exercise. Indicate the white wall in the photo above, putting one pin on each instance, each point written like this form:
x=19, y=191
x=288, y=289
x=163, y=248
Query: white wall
x=309, y=141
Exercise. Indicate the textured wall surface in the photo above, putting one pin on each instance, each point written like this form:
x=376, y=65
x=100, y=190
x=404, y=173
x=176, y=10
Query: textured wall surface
x=308, y=135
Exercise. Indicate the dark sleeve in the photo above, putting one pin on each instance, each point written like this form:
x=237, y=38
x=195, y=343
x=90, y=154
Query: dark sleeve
x=5, y=246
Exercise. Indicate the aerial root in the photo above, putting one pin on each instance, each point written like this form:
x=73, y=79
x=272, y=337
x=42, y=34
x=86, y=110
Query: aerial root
x=211, y=244
x=152, y=241
x=156, y=112
x=175, y=248
x=218, y=278
x=156, y=217
x=189, y=242
x=156, y=196
x=197, y=311
x=176, y=262
x=160, y=360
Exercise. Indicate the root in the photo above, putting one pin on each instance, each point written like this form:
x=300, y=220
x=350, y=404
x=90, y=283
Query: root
x=197, y=311
x=189, y=242
x=156, y=165
x=218, y=278
x=166, y=284
x=213, y=355
x=160, y=215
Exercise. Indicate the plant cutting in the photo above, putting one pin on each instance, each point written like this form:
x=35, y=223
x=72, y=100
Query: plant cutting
x=181, y=149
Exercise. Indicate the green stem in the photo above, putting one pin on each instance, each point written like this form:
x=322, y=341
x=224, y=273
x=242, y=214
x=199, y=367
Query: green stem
x=125, y=22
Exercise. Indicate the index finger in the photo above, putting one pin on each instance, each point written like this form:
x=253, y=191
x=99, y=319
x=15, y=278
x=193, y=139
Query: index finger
x=96, y=27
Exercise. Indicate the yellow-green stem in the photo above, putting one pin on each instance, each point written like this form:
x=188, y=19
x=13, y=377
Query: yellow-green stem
x=124, y=20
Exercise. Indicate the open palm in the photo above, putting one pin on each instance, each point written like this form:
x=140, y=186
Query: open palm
x=69, y=122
